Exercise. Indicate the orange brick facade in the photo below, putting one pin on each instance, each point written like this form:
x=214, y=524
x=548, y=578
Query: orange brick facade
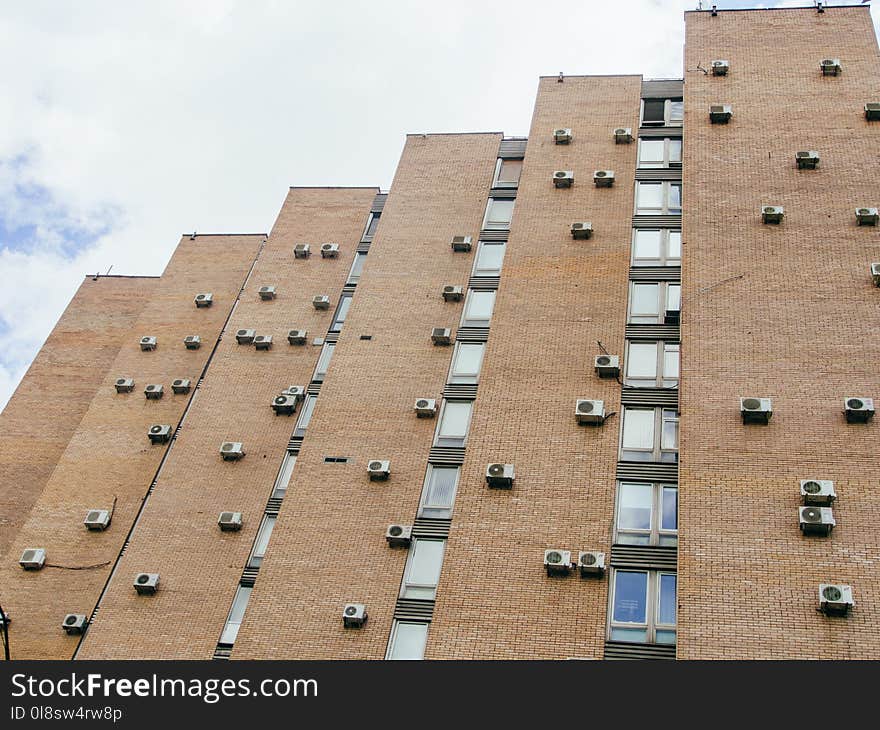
x=783, y=312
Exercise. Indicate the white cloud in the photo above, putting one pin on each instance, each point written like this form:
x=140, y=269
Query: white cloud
x=177, y=116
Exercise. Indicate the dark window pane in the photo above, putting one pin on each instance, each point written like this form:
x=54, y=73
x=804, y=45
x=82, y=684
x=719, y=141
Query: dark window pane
x=654, y=110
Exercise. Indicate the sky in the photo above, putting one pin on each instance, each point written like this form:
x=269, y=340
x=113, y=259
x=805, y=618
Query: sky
x=124, y=125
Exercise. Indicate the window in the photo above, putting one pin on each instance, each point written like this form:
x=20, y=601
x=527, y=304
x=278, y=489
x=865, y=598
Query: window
x=478, y=308
x=236, y=614
x=649, y=434
x=643, y=606
x=507, y=173
x=648, y=303
x=357, y=267
x=408, y=639
x=662, y=112
x=660, y=247
x=656, y=153
x=455, y=418
x=647, y=514
x=284, y=474
x=438, y=495
x=658, y=198
x=490, y=256
x=305, y=415
x=323, y=362
x=261, y=543
x=372, y=223
x=498, y=214
x=422, y=571
x=652, y=365
x=466, y=362
x=341, y=313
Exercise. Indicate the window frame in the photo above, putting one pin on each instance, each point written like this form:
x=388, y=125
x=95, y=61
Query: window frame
x=666, y=187
x=373, y=219
x=666, y=162
x=655, y=533
x=429, y=511
x=653, y=595
x=336, y=323
x=657, y=454
x=453, y=441
x=667, y=120
x=498, y=225
x=664, y=258
x=499, y=166
x=663, y=299
x=307, y=407
x=318, y=375
x=477, y=271
x=285, y=474
x=471, y=295
x=407, y=585
x=229, y=623
x=660, y=379
x=452, y=378
x=392, y=639
x=267, y=525
x=353, y=278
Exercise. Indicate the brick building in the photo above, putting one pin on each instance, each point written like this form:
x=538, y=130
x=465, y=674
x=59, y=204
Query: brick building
x=503, y=304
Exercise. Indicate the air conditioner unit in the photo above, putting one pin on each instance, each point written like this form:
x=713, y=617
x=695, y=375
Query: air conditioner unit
x=835, y=599
x=148, y=343
x=818, y=492
x=557, y=562
x=354, y=615
x=875, y=273
x=245, y=336
x=755, y=410
x=582, y=230
x=772, y=213
x=284, y=404
x=297, y=337
x=623, y=135
x=607, y=366
x=830, y=66
x=181, y=386
x=192, y=342
x=263, y=342
x=720, y=113
x=500, y=476
x=399, y=535
x=441, y=336
x=301, y=251
x=867, y=216
x=452, y=293
x=858, y=410
x=97, y=520
x=591, y=564
x=231, y=450
x=562, y=135
x=379, y=470
x=563, y=178
x=807, y=159
x=591, y=412
x=672, y=315
x=297, y=391
x=266, y=293
x=329, y=250
x=872, y=110
x=720, y=67
x=154, y=391
x=461, y=244
x=146, y=584
x=204, y=300
x=74, y=623
x=425, y=407
x=124, y=385
x=321, y=301
x=159, y=433
x=32, y=558
x=816, y=520
x=603, y=178
x=229, y=521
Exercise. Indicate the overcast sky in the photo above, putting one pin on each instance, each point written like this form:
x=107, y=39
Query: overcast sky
x=123, y=125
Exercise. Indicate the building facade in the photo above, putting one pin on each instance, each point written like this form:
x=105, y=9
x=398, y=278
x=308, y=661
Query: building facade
x=502, y=411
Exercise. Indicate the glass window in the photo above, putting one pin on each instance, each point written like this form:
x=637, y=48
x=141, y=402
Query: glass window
x=649, y=434
x=652, y=365
x=669, y=438
x=284, y=474
x=643, y=607
x=423, y=569
x=666, y=609
x=638, y=428
x=408, y=639
x=490, y=256
x=357, y=267
x=507, y=173
x=648, y=303
x=674, y=197
x=261, y=543
x=652, y=152
x=647, y=514
x=670, y=364
x=662, y=112
x=341, y=313
x=642, y=362
x=438, y=495
x=466, y=362
x=658, y=198
x=305, y=415
x=372, y=224
x=498, y=214
x=323, y=362
x=236, y=615
x=660, y=247
x=675, y=112
x=455, y=418
x=478, y=308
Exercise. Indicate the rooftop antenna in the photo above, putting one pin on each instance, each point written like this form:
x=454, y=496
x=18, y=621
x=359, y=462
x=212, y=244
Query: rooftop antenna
x=561, y=78
x=820, y=9
x=714, y=10
x=108, y=270
x=193, y=236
